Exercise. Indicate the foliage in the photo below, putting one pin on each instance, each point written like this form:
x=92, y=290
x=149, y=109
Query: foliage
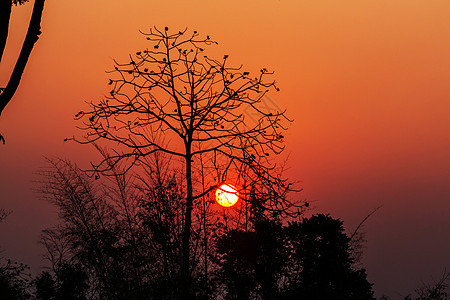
x=125, y=234
x=14, y=280
x=71, y=283
x=251, y=262
x=321, y=261
x=310, y=259
x=45, y=286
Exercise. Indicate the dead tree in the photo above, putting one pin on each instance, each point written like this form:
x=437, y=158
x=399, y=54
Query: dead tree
x=202, y=107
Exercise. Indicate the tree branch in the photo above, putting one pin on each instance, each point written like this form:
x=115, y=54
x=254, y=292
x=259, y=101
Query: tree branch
x=34, y=30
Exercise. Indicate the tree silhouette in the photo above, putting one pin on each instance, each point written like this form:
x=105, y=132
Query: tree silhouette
x=34, y=30
x=45, y=286
x=14, y=281
x=125, y=231
x=251, y=262
x=205, y=107
x=321, y=261
x=95, y=232
x=71, y=283
x=307, y=259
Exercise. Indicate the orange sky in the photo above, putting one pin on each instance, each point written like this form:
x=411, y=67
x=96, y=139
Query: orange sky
x=367, y=82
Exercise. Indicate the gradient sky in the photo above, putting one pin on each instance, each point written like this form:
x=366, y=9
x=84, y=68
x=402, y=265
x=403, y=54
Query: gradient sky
x=367, y=82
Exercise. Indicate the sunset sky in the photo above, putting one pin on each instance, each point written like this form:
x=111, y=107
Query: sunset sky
x=366, y=82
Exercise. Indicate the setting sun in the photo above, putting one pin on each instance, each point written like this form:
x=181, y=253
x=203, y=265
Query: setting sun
x=227, y=195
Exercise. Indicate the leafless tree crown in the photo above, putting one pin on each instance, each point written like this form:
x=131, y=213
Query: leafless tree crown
x=203, y=107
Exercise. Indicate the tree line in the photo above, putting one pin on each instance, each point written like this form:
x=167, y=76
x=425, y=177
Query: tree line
x=122, y=239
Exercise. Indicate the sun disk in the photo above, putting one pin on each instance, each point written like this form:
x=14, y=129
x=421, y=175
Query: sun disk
x=227, y=195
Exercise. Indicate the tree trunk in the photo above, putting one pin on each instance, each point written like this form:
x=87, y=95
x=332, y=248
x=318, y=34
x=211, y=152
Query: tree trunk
x=185, y=265
x=5, y=15
x=34, y=30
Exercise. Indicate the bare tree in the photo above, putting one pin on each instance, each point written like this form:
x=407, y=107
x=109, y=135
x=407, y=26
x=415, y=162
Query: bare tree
x=34, y=30
x=203, y=107
x=85, y=236
x=58, y=247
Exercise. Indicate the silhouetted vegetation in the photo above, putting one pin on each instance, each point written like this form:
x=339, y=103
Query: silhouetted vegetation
x=321, y=255
x=306, y=259
x=14, y=280
x=252, y=263
x=69, y=282
x=120, y=237
x=437, y=290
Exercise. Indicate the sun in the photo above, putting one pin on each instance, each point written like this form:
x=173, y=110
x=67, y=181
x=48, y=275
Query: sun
x=227, y=195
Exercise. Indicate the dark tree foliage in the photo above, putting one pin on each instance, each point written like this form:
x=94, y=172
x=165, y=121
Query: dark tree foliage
x=321, y=261
x=70, y=283
x=310, y=259
x=14, y=280
x=251, y=262
x=45, y=286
